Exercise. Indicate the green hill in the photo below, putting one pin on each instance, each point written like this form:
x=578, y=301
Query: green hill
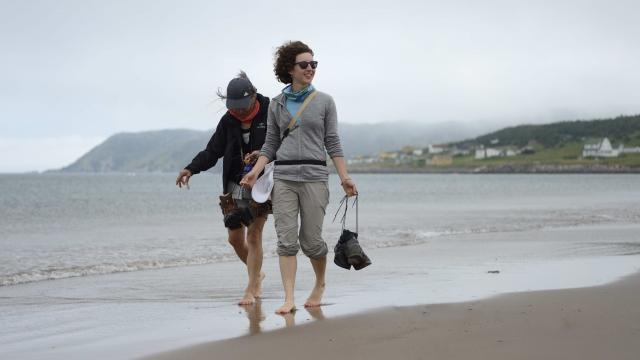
x=551, y=144
x=552, y=148
x=171, y=150
x=558, y=146
x=151, y=151
x=623, y=129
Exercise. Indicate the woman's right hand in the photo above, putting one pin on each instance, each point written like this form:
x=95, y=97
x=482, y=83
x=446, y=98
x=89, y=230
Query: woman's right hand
x=249, y=180
x=183, y=178
x=349, y=187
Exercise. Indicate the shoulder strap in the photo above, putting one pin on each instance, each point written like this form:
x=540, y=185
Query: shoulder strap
x=295, y=118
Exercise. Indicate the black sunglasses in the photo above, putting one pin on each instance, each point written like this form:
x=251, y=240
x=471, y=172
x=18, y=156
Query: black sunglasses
x=304, y=64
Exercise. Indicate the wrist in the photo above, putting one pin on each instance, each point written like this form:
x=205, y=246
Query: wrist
x=345, y=179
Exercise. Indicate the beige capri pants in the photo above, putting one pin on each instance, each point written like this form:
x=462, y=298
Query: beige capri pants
x=308, y=200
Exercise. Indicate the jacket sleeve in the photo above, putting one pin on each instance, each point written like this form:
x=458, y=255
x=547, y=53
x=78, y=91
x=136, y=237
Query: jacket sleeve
x=272, y=139
x=207, y=158
x=331, y=138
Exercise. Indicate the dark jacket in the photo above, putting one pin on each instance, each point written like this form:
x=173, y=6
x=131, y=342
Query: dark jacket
x=227, y=142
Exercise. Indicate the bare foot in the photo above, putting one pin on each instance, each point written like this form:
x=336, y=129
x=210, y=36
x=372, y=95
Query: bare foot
x=257, y=292
x=287, y=308
x=316, y=296
x=247, y=299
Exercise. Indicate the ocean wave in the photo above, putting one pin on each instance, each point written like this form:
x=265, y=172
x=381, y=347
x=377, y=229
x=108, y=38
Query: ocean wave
x=384, y=238
x=371, y=237
x=55, y=273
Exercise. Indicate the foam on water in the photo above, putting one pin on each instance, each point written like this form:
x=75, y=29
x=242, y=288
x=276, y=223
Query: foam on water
x=107, y=268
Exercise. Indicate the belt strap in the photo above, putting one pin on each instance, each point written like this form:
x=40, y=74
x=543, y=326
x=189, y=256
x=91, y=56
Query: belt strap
x=301, y=162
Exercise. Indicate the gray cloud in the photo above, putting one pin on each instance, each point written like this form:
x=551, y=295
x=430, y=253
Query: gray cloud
x=93, y=68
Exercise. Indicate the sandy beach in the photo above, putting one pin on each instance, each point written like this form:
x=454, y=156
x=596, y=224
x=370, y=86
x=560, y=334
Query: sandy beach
x=419, y=301
x=589, y=323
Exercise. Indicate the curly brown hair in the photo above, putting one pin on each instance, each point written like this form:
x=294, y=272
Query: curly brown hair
x=285, y=59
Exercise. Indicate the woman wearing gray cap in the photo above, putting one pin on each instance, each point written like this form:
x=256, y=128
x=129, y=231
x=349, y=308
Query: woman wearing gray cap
x=238, y=139
x=302, y=129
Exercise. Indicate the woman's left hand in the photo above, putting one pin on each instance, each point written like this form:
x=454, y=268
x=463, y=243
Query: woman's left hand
x=349, y=187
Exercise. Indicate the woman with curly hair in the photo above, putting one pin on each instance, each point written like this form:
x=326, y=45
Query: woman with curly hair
x=301, y=175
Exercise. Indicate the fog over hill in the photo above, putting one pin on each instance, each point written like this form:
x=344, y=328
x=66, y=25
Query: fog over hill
x=170, y=150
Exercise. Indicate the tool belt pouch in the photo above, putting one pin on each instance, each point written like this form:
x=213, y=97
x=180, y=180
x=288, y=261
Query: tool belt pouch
x=227, y=204
x=260, y=209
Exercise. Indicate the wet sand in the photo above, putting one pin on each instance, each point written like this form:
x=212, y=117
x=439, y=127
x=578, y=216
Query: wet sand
x=129, y=315
x=601, y=322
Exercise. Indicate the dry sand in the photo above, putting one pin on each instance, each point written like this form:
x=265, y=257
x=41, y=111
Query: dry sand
x=588, y=323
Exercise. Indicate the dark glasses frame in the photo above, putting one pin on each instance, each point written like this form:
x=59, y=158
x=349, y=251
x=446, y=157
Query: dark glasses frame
x=305, y=64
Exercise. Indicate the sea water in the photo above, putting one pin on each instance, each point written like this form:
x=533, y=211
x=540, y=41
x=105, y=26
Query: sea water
x=55, y=226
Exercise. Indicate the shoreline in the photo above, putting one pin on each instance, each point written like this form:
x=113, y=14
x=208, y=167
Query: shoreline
x=504, y=169
x=583, y=323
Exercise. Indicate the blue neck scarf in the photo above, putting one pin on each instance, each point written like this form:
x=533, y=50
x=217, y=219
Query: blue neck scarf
x=297, y=96
x=293, y=100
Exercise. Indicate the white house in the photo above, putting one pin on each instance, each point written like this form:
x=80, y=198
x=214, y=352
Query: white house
x=435, y=149
x=601, y=149
x=483, y=153
x=493, y=152
x=633, y=150
x=458, y=151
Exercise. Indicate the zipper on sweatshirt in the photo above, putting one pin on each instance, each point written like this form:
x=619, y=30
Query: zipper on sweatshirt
x=297, y=135
x=300, y=147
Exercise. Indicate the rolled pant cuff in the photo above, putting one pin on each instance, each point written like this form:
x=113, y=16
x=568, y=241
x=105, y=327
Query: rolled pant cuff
x=317, y=254
x=287, y=252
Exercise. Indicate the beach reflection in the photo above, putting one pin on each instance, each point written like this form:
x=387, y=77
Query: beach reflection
x=315, y=312
x=289, y=319
x=255, y=316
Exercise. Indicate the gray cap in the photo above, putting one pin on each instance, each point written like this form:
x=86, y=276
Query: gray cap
x=239, y=92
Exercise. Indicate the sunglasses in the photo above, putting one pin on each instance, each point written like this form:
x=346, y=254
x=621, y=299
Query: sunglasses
x=305, y=64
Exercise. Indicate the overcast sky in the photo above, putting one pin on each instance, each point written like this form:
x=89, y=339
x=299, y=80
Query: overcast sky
x=73, y=73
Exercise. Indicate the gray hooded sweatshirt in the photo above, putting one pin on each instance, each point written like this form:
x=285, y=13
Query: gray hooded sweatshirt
x=317, y=131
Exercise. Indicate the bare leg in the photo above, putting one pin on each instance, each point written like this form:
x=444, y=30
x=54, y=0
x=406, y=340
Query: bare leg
x=289, y=319
x=288, y=267
x=254, y=262
x=255, y=316
x=237, y=241
x=254, y=239
x=319, y=267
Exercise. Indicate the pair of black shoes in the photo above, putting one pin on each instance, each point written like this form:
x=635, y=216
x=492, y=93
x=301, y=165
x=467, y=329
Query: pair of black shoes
x=348, y=252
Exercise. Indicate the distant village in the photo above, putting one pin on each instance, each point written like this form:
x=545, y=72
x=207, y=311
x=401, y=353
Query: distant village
x=442, y=155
